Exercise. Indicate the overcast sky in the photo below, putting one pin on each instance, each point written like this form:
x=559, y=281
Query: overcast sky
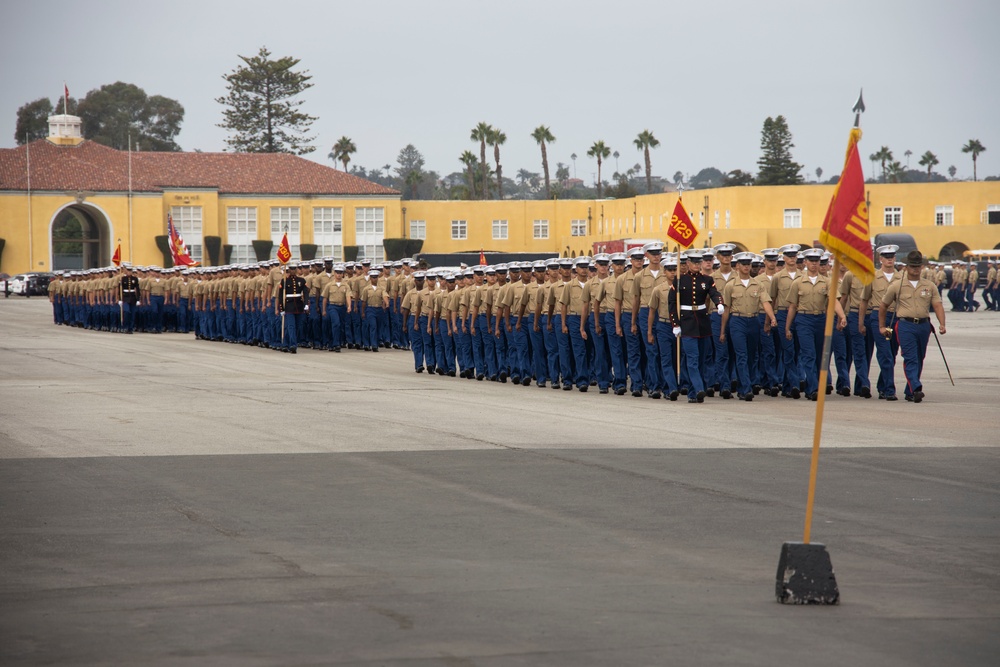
x=701, y=75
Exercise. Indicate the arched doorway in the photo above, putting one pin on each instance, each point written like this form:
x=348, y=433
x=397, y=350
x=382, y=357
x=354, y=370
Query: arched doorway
x=80, y=238
x=953, y=250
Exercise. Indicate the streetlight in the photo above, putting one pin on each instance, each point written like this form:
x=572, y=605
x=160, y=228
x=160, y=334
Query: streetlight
x=573, y=158
x=615, y=155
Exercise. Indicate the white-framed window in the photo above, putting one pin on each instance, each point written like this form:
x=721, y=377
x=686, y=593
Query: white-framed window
x=369, y=225
x=459, y=230
x=187, y=222
x=328, y=232
x=418, y=229
x=893, y=216
x=727, y=218
x=717, y=219
x=793, y=218
x=540, y=229
x=577, y=227
x=499, y=230
x=991, y=216
x=241, y=230
x=285, y=219
x=701, y=219
x=944, y=216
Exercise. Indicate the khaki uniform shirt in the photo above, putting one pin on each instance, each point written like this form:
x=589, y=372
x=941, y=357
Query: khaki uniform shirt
x=374, y=295
x=745, y=300
x=623, y=290
x=659, y=300
x=335, y=292
x=572, y=297
x=853, y=287
x=644, y=283
x=910, y=301
x=781, y=283
x=874, y=291
x=809, y=298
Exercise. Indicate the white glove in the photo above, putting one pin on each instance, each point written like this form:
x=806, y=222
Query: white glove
x=307, y=307
x=119, y=303
x=721, y=309
x=677, y=331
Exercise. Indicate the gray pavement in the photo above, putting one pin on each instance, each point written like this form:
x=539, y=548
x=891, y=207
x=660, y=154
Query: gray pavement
x=170, y=501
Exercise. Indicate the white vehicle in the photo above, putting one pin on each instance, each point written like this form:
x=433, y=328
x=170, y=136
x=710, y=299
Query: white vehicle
x=18, y=284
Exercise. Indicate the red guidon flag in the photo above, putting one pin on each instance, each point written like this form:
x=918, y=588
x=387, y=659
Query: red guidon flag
x=680, y=228
x=178, y=251
x=845, y=229
x=116, y=259
x=482, y=258
x=284, y=250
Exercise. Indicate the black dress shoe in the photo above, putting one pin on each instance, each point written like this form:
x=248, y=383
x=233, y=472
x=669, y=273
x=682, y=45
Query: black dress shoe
x=866, y=392
x=584, y=388
x=844, y=391
x=829, y=389
x=603, y=390
x=567, y=387
x=480, y=377
x=555, y=385
x=674, y=394
x=420, y=370
x=620, y=391
x=656, y=394
x=774, y=392
x=700, y=397
x=693, y=400
x=503, y=376
x=918, y=396
x=637, y=393
x=812, y=396
x=525, y=382
x=451, y=374
x=891, y=398
x=727, y=394
x=542, y=384
x=710, y=393
x=516, y=379
x=794, y=393
x=756, y=389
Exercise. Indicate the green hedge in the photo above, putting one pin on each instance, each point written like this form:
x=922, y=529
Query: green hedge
x=262, y=249
x=307, y=251
x=163, y=243
x=214, y=246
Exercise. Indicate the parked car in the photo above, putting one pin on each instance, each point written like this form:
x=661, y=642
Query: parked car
x=30, y=284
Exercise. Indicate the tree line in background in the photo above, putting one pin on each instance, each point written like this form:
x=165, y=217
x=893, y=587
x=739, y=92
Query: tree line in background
x=262, y=112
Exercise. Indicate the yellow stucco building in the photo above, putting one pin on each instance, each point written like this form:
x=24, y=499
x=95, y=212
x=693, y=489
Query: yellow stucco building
x=66, y=203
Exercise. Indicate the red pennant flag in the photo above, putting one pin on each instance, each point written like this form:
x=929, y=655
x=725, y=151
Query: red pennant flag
x=65, y=98
x=845, y=229
x=284, y=250
x=116, y=259
x=680, y=229
x=178, y=251
x=482, y=257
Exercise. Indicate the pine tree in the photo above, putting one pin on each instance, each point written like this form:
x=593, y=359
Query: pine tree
x=776, y=166
x=261, y=111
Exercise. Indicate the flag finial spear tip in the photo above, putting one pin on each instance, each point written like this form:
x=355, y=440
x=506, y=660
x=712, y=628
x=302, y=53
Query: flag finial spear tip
x=859, y=108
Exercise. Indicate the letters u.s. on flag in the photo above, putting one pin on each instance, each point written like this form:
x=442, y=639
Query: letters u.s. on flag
x=845, y=229
x=680, y=229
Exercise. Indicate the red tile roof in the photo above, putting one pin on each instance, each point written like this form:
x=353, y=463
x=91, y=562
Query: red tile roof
x=93, y=167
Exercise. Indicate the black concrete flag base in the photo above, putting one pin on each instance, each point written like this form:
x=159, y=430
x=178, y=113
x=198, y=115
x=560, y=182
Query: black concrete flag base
x=805, y=575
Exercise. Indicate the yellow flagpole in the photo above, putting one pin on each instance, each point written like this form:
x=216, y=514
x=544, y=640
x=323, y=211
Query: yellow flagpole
x=824, y=370
x=677, y=294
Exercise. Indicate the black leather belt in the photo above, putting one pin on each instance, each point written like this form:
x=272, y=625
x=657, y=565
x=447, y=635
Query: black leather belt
x=916, y=320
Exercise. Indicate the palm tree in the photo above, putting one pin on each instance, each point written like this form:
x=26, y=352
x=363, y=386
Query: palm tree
x=928, y=160
x=573, y=158
x=413, y=179
x=974, y=147
x=342, y=151
x=908, y=153
x=884, y=155
x=543, y=136
x=600, y=151
x=874, y=159
x=952, y=170
x=644, y=142
x=819, y=173
x=481, y=133
x=468, y=158
x=895, y=171
x=497, y=139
